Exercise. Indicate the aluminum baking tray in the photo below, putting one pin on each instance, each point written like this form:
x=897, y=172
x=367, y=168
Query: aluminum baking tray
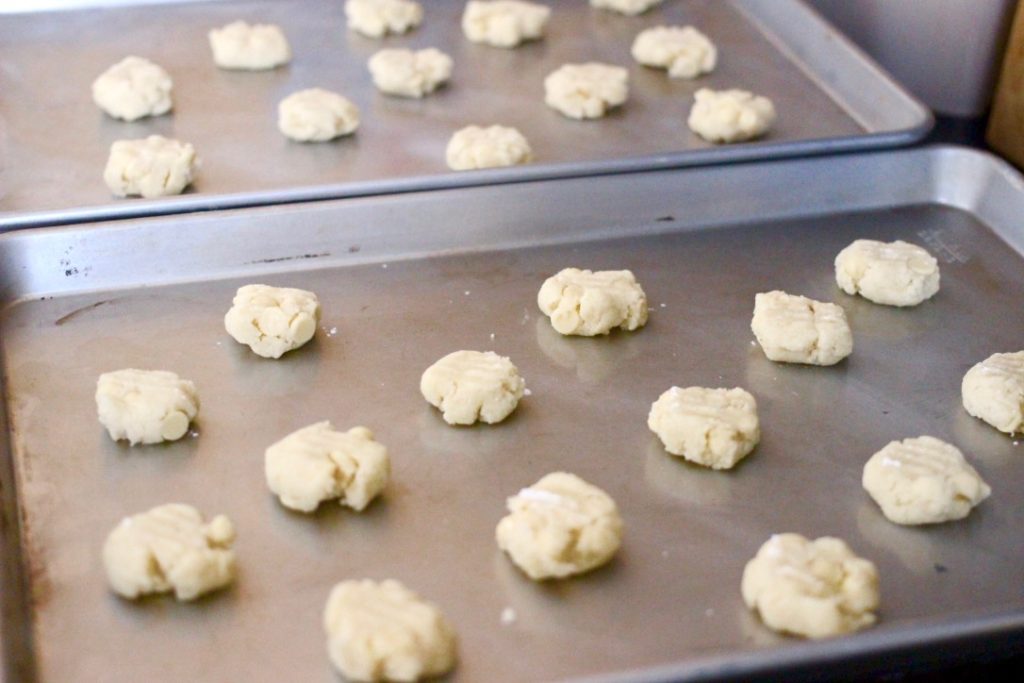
x=829, y=95
x=405, y=279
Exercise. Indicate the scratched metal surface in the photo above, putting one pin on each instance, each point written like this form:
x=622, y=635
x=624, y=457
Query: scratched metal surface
x=404, y=280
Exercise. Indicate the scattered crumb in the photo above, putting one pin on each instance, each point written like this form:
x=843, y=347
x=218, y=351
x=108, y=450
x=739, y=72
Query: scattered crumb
x=466, y=293
x=217, y=344
x=492, y=336
x=709, y=612
x=1016, y=443
x=753, y=342
x=662, y=305
x=527, y=392
x=526, y=317
x=194, y=433
x=333, y=331
x=508, y=616
x=664, y=553
x=384, y=266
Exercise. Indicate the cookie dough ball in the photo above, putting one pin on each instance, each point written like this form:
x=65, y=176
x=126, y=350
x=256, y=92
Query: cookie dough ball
x=814, y=589
x=145, y=406
x=923, y=481
x=586, y=91
x=377, y=18
x=684, y=51
x=472, y=385
x=317, y=463
x=150, y=167
x=409, y=73
x=627, y=7
x=316, y=115
x=587, y=303
x=385, y=632
x=712, y=427
x=170, y=548
x=730, y=115
x=891, y=273
x=559, y=527
x=132, y=89
x=993, y=390
x=795, y=329
x=475, y=147
x=252, y=47
x=272, y=320
x=504, y=23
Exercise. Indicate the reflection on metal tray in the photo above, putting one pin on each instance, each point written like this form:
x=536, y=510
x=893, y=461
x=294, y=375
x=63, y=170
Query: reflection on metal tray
x=406, y=279
x=829, y=96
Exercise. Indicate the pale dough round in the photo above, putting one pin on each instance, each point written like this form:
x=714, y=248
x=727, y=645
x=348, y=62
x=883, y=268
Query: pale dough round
x=923, y=481
x=385, y=632
x=150, y=167
x=504, y=23
x=684, y=51
x=795, y=329
x=712, y=427
x=627, y=7
x=272, y=320
x=472, y=385
x=891, y=273
x=169, y=548
x=409, y=73
x=145, y=406
x=586, y=91
x=560, y=526
x=588, y=303
x=316, y=115
x=993, y=390
x=252, y=47
x=132, y=89
x=730, y=115
x=810, y=588
x=476, y=147
x=377, y=18
x=317, y=463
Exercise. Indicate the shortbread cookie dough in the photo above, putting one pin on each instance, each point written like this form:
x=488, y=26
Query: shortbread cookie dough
x=993, y=390
x=150, y=167
x=730, y=115
x=170, y=548
x=683, y=50
x=272, y=320
x=504, y=23
x=409, y=73
x=316, y=115
x=377, y=18
x=476, y=147
x=795, y=329
x=628, y=7
x=586, y=91
x=712, y=427
x=252, y=47
x=891, y=273
x=317, y=463
x=132, y=89
x=810, y=588
x=472, y=385
x=587, y=303
x=923, y=481
x=560, y=526
x=145, y=406
x=385, y=632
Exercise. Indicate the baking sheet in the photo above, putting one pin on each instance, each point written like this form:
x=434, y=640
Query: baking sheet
x=406, y=279
x=54, y=141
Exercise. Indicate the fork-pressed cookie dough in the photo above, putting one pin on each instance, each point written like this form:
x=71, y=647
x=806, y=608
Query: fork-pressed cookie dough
x=628, y=7
x=408, y=73
x=712, y=427
x=504, y=23
x=890, y=273
x=145, y=406
x=475, y=147
x=586, y=91
x=316, y=115
x=377, y=18
x=150, y=167
x=726, y=116
x=272, y=320
x=132, y=89
x=796, y=329
x=993, y=391
x=683, y=51
x=251, y=47
x=588, y=303
x=468, y=386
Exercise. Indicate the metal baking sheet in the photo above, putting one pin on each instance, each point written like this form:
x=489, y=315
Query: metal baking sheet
x=406, y=279
x=830, y=97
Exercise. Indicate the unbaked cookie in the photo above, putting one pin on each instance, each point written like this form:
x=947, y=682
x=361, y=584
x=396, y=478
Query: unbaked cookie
x=317, y=463
x=712, y=427
x=133, y=88
x=993, y=390
x=150, y=167
x=316, y=115
x=891, y=273
x=377, y=18
x=795, y=329
x=588, y=303
x=810, y=588
x=683, y=50
x=145, y=406
x=560, y=526
x=385, y=632
x=923, y=481
x=730, y=115
x=472, y=385
x=410, y=74
x=252, y=47
x=476, y=147
x=170, y=548
x=586, y=91
x=504, y=23
x=272, y=320
x=627, y=7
